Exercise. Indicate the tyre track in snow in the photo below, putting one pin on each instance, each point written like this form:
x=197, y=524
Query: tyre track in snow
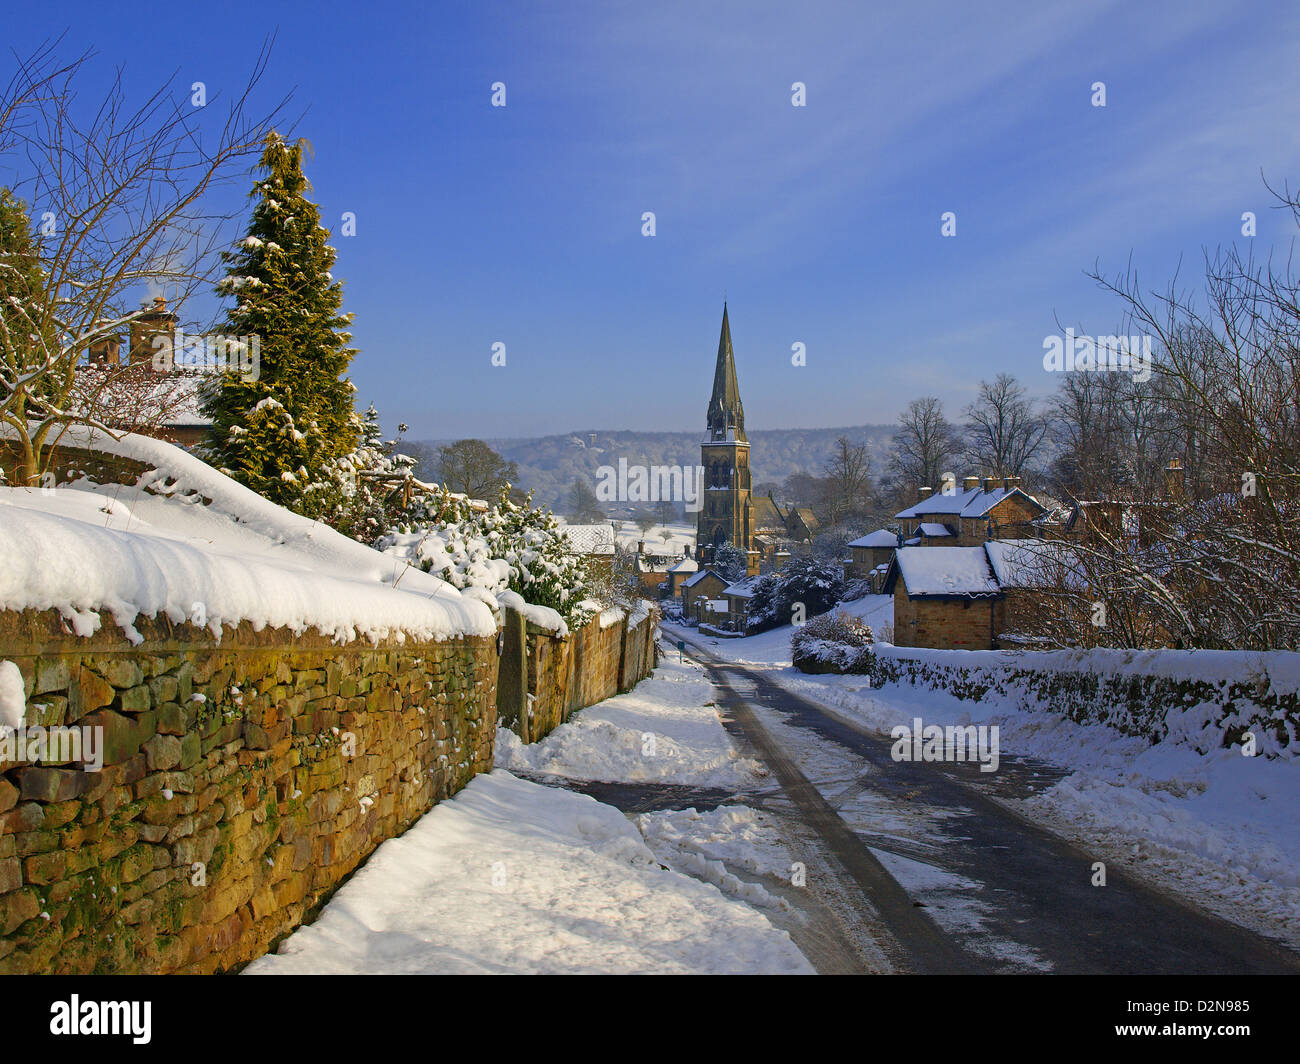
x=1031, y=889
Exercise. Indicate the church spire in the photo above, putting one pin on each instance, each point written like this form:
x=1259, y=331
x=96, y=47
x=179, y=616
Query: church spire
x=726, y=415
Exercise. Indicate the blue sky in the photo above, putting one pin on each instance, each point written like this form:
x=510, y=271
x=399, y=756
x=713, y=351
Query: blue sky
x=821, y=224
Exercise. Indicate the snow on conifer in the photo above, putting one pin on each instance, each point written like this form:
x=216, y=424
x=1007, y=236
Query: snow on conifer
x=283, y=433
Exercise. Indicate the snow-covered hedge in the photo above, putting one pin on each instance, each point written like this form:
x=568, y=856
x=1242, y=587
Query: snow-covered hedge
x=829, y=642
x=507, y=547
x=1202, y=699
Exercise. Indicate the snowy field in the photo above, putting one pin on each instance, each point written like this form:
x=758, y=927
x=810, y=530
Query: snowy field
x=511, y=876
x=1220, y=829
x=671, y=539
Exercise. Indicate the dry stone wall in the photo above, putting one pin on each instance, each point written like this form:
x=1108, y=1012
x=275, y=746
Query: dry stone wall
x=241, y=782
x=586, y=666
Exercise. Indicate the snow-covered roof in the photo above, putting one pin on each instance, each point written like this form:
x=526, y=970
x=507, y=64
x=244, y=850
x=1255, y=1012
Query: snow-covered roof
x=741, y=588
x=686, y=565
x=591, y=539
x=963, y=571
x=882, y=537
x=934, y=530
x=133, y=396
x=1032, y=562
x=973, y=503
x=693, y=580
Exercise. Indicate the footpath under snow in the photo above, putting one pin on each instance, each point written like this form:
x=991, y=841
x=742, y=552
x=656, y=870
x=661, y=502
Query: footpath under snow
x=513, y=877
x=663, y=731
x=1219, y=828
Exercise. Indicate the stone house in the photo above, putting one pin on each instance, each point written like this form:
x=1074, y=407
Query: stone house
x=142, y=393
x=957, y=598
x=944, y=598
x=679, y=572
x=703, y=586
x=737, y=596
x=983, y=509
x=594, y=542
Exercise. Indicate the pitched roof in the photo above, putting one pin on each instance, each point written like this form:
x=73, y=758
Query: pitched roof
x=741, y=588
x=767, y=514
x=973, y=503
x=686, y=565
x=962, y=572
x=934, y=530
x=693, y=580
x=881, y=537
x=1028, y=563
x=591, y=539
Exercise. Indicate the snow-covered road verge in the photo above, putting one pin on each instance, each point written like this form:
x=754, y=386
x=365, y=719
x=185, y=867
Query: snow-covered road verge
x=514, y=877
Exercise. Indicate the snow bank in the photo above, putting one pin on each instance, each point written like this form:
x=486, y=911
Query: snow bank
x=13, y=697
x=190, y=544
x=513, y=877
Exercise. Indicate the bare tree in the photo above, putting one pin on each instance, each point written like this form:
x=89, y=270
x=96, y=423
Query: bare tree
x=122, y=193
x=1210, y=558
x=472, y=468
x=924, y=445
x=1003, y=431
x=847, y=480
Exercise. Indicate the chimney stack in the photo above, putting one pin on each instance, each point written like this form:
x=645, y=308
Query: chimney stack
x=157, y=320
x=106, y=351
x=969, y=483
x=923, y=493
x=640, y=546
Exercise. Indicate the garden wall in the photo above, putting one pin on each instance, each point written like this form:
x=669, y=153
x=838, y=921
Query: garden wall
x=586, y=666
x=242, y=781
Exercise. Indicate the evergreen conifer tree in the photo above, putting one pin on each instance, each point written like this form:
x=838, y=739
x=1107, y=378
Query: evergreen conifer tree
x=282, y=429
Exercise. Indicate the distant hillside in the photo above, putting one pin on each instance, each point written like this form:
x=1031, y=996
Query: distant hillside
x=548, y=465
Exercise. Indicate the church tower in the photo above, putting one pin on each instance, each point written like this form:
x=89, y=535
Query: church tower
x=727, y=512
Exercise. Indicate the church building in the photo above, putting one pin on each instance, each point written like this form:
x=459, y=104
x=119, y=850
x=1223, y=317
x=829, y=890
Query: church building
x=730, y=513
x=726, y=515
